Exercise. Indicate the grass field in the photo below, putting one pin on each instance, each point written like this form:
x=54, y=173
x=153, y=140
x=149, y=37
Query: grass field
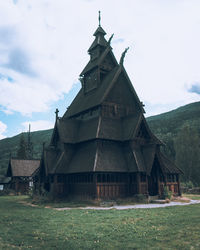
x=24, y=227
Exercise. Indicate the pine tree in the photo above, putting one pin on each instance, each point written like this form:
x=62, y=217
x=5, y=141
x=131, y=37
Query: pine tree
x=187, y=147
x=21, y=152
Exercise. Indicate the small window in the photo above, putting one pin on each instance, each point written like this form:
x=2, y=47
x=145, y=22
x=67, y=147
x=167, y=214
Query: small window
x=30, y=184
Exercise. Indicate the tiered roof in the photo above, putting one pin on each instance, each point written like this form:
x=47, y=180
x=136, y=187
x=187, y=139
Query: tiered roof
x=86, y=140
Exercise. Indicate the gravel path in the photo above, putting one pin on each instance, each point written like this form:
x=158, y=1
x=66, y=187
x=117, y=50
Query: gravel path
x=172, y=203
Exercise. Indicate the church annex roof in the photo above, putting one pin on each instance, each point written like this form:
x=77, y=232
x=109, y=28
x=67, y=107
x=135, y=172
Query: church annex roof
x=22, y=168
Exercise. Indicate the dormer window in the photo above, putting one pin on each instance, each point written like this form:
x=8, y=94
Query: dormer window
x=94, y=54
x=90, y=81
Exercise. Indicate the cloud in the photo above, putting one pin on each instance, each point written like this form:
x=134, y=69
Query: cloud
x=37, y=125
x=5, y=77
x=119, y=40
x=43, y=48
x=7, y=34
x=20, y=62
x=3, y=128
x=195, y=88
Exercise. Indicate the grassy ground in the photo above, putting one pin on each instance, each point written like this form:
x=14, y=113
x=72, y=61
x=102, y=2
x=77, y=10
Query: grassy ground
x=24, y=227
x=192, y=196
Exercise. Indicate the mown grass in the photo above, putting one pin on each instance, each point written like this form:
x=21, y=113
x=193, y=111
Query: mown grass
x=192, y=196
x=24, y=227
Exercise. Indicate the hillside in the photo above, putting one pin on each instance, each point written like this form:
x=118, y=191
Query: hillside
x=172, y=121
x=165, y=126
x=9, y=146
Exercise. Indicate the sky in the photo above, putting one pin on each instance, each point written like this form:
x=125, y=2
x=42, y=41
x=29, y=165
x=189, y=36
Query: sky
x=44, y=43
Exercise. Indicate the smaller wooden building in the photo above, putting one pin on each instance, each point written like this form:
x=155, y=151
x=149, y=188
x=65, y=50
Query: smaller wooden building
x=21, y=172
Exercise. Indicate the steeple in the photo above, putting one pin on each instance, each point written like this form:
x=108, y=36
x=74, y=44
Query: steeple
x=101, y=62
x=99, y=18
x=99, y=34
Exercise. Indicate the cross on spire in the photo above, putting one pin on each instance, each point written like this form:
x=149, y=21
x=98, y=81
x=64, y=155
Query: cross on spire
x=57, y=111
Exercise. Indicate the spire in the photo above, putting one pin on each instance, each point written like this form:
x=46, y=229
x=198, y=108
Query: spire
x=99, y=34
x=99, y=18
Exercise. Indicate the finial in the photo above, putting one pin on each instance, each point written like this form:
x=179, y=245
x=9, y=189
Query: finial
x=109, y=40
x=99, y=18
x=57, y=111
x=122, y=56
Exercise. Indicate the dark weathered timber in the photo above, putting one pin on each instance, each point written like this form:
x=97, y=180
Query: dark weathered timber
x=21, y=174
x=102, y=147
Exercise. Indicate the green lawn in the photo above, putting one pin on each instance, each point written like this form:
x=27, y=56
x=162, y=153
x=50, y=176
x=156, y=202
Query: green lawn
x=23, y=227
x=192, y=196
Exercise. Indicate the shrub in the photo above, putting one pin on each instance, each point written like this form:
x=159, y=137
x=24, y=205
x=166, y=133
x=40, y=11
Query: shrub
x=166, y=193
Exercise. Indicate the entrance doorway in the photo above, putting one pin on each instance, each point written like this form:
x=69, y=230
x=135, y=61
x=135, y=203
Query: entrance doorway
x=153, y=179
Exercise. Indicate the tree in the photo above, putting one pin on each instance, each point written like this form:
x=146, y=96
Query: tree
x=187, y=147
x=21, y=152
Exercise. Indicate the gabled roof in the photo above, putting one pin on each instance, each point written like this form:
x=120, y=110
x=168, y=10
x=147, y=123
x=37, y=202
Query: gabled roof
x=110, y=157
x=149, y=153
x=99, y=30
x=22, y=168
x=83, y=158
x=100, y=40
x=130, y=126
x=67, y=129
x=83, y=102
x=97, y=62
x=132, y=89
x=169, y=166
x=51, y=157
x=110, y=129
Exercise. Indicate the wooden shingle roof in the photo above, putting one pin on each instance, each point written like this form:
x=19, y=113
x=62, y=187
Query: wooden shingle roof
x=83, y=102
x=22, y=168
x=169, y=166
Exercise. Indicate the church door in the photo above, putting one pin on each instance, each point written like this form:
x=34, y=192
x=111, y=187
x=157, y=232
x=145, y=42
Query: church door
x=153, y=180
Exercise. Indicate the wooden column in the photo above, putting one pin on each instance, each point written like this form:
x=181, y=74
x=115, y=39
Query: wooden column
x=138, y=183
x=179, y=188
x=147, y=183
x=96, y=188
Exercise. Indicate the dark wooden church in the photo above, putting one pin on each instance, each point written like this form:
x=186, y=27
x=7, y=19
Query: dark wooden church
x=102, y=147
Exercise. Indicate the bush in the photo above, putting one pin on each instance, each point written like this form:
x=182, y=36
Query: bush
x=166, y=193
x=141, y=198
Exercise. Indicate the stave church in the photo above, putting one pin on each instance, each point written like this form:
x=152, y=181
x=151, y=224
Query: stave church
x=102, y=147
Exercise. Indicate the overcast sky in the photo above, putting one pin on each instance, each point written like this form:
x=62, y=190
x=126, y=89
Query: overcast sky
x=43, y=49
